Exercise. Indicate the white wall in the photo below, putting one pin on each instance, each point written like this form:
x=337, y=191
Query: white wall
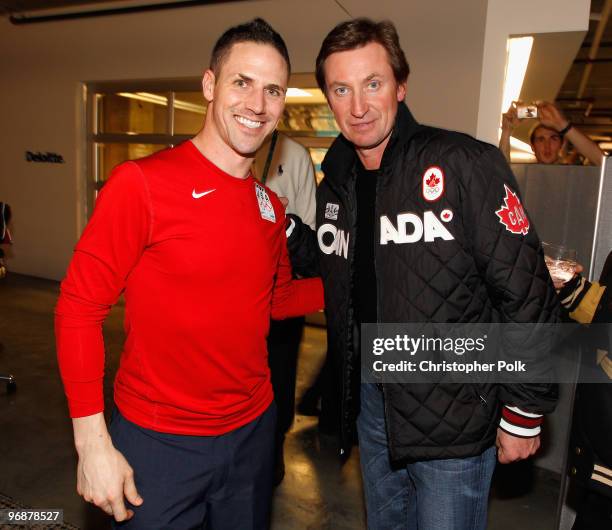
x=43, y=66
x=456, y=51
x=443, y=42
x=520, y=17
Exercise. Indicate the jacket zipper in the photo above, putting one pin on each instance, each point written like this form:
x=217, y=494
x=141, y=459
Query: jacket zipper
x=350, y=319
x=378, y=319
x=483, y=401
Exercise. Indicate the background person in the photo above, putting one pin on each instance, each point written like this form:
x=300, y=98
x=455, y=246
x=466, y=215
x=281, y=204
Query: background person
x=590, y=451
x=5, y=234
x=286, y=168
x=548, y=136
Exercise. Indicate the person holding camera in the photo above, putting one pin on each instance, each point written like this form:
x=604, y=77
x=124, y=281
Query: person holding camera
x=284, y=166
x=548, y=135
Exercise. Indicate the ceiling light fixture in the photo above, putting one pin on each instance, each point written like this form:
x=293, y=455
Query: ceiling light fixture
x=162, y=100
x=518, y=50
x=519, y=145
x=522, y=157
x=517, y=58
x=520, y=151
x=298, y=93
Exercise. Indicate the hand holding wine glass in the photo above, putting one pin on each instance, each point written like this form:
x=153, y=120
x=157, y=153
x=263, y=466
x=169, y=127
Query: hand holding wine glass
x=561, y=263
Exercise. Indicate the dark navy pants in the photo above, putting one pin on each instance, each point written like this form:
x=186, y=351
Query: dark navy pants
x=283, y=346
x=204, y=482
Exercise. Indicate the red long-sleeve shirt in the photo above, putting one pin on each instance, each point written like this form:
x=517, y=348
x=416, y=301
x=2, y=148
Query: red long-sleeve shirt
x=203, y=264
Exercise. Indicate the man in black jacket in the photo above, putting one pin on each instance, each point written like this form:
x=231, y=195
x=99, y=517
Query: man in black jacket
x=416, y=224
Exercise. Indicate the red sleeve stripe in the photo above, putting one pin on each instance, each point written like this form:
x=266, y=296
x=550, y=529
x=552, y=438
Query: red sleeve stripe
x=521, y=421
x=523, y=412
x=521, y=432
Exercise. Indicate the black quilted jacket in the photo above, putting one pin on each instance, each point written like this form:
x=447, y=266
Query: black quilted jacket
x=590, y=448
x=466, y=266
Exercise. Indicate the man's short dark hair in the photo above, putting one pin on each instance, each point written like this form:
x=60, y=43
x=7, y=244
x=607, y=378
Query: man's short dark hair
x=257, y=30
x=538, y=126
x=357, y=33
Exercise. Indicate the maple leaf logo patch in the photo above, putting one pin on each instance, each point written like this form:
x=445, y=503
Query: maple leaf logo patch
x=433, y=183
x=512, y=215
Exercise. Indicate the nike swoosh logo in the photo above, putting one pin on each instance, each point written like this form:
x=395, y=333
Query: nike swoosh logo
x=198, y=195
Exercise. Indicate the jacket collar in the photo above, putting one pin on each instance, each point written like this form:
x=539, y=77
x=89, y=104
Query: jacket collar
x=341, y=157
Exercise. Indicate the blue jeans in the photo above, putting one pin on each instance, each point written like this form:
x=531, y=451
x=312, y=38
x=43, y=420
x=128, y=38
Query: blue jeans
x=448, y=494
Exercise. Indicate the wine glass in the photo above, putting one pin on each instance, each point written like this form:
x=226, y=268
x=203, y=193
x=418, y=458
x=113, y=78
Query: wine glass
x=561, y=261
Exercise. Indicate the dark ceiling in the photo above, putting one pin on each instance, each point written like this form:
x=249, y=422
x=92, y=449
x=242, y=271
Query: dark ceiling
x=593, y=108
x=19, y=6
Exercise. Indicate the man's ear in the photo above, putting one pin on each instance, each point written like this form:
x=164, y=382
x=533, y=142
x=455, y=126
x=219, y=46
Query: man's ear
x=208, y=85
x=401, y=91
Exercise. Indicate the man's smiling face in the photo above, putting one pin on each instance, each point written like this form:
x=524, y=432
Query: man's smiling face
x=247, y=97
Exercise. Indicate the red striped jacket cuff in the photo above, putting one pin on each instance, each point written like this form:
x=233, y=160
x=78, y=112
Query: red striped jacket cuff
x=517, y=422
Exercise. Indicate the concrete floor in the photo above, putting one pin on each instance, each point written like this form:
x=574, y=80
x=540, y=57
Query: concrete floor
x=39, y=465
